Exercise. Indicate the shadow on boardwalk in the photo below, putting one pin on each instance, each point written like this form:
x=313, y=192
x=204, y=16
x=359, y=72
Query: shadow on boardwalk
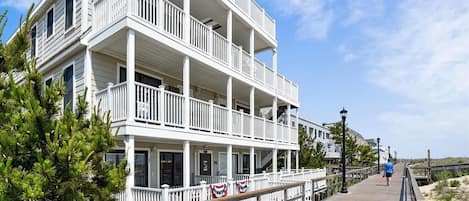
x=374, y=188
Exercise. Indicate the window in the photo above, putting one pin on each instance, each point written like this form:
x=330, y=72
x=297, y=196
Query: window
x=68, y=14
x=48, y=82
x=68, y=82
x=141, y=165
x=33, y=42
x=139, y=77
x=50, y=22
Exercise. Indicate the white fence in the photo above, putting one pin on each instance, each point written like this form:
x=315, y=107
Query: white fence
x=158, y=106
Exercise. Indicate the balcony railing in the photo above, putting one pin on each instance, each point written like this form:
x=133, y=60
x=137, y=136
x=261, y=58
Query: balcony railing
x=256, y=182
x=258, y=15
x=169, y=18
x=157, y=106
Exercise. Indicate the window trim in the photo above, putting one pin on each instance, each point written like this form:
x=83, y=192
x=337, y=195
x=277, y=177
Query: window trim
x=53, y=21
x=72, y=26
x=72, y=64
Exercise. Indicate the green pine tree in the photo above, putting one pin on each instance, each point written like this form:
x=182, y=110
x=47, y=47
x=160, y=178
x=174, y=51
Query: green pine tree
x=47, y=153
x=311, y=154
x=367, y=157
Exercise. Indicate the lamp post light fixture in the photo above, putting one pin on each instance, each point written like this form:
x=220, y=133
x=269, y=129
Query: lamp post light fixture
x=379, y=159
x=343, y=114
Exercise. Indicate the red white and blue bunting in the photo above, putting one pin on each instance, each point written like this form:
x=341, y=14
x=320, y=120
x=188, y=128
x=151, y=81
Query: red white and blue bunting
x=218, y=191
x=242, y=186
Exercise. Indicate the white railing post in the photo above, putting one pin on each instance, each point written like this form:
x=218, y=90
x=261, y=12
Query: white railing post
x=109, y=95
x=242, y=123
x=186, y=21
x=251, y=51
x=252, y=186
x=249, y=7
x=161, y=15
x=264, y=128
x=229, y=35
x=289, y=123
x=129, y=8
x=165, y=192
x=162, y=109
x=251, y=105
x=240, y=58
x=263, y=71
x=231, y=186
x=210, y=41
x=204, y=190
x=211, y=116
x=263, y=19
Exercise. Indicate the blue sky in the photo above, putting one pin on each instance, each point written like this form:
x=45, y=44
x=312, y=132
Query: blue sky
x=401, y=68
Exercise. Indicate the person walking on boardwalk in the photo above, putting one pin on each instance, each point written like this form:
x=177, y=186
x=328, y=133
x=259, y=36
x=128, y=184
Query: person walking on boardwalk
x=389, y=169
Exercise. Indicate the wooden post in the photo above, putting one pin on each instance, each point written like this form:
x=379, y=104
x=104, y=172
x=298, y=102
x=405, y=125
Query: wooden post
x=429, y=175
x=204, y=190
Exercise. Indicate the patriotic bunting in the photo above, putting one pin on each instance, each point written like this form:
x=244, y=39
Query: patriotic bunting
x=242, y=186
x=218, y=191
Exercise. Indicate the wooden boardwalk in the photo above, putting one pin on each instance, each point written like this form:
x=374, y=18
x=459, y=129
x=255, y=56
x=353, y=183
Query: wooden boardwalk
x=374, y=188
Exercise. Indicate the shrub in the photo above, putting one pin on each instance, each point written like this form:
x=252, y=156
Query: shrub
x=443, y=175
x=454, y=183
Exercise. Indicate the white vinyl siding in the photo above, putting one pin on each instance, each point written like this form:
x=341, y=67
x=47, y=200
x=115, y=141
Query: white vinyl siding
x=48, y=47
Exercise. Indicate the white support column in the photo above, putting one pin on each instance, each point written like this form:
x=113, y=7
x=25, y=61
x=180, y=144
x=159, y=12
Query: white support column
x=252, y=108
x=229, y=161
x=297, y=161
x=87, y=71
x=186, y=166
x=251, y=51
x=289, y=160
x=289, y=122
x=251, y=162
x=229, y=104
x=129, y=7
x=229, y=35
x=129, y=142
x=187, y=18
x=130, y=75
x=274, y=162
x=186, y=90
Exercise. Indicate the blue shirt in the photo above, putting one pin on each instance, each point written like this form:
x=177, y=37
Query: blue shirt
x=388, y=167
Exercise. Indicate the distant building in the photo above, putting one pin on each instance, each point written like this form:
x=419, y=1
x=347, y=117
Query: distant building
x=321, y=134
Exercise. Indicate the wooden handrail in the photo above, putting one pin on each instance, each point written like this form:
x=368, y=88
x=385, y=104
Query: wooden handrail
x=252, y=194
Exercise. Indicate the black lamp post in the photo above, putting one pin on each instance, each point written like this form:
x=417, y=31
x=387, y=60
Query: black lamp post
x=379, y=159
x=343, y=114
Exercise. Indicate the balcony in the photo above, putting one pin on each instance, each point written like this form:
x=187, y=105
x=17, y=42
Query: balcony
x=158, y=106
x=168, y=18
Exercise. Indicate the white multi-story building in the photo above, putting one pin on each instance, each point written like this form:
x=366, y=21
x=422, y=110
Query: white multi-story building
x=181, y=81
x=320, y=134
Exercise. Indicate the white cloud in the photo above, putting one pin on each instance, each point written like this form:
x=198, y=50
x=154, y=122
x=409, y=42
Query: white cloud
x=423, y=57
x=315, y=16
x=21, y=5
x=359, y=10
